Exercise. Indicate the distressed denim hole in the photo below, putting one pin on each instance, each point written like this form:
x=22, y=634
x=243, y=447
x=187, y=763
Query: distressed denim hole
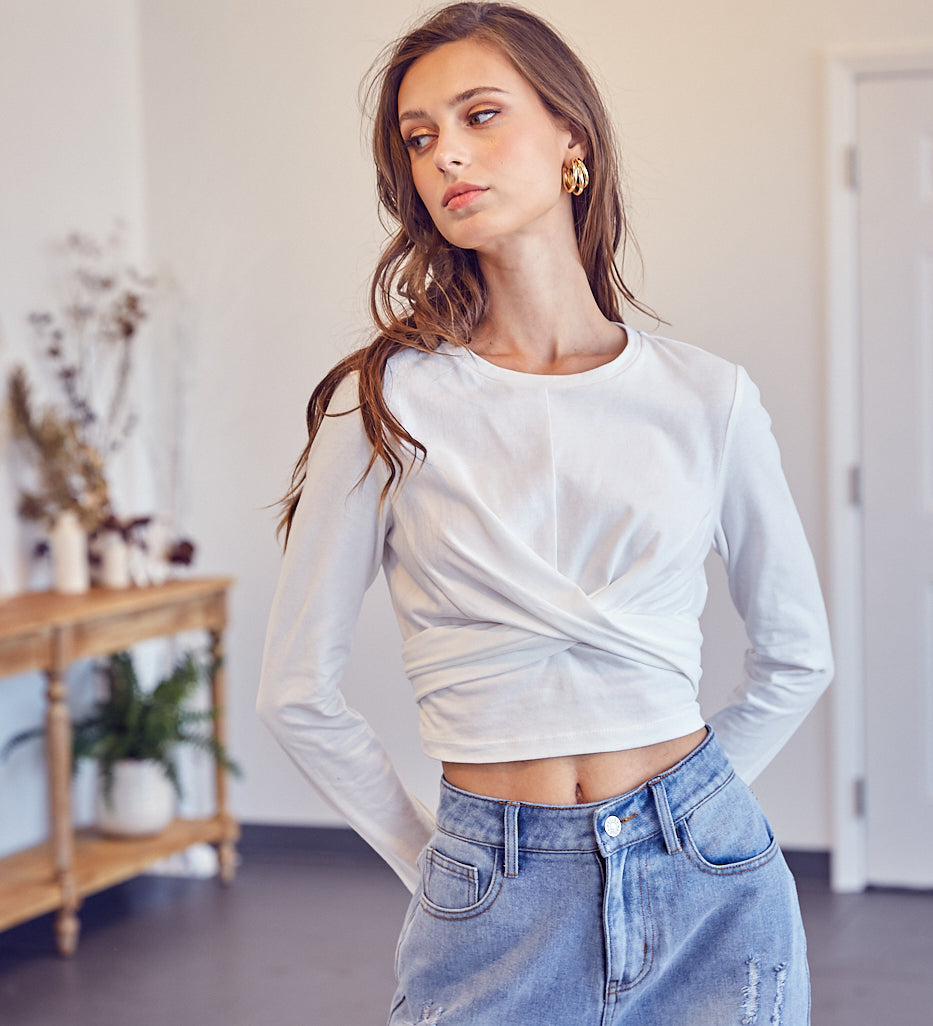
x=750, y=992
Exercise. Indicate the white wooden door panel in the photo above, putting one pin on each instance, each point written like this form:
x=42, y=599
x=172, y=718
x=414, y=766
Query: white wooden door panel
x=895, y=160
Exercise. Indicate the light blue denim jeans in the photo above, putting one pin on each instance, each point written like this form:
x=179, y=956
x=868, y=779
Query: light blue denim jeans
x=667, y=906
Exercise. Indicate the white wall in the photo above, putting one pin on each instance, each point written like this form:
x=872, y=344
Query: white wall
x=260, y=198
x=70, y=135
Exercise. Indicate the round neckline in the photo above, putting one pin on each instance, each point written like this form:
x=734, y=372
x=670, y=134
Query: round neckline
x=531, y=380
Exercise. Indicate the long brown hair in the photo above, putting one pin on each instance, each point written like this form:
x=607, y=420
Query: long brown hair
x=426, y=291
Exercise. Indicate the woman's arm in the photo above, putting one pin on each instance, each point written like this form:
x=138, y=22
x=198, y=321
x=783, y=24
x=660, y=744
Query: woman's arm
x=775, y=588
x=334, y=553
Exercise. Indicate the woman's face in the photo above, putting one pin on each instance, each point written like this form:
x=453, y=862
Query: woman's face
x=486, y=156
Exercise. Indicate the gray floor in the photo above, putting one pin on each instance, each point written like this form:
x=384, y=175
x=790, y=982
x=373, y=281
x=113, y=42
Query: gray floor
x=307, y=940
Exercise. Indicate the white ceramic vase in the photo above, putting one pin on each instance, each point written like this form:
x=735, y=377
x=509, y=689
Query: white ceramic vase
x=114, y=561
x=142, y=802
x=68, y=541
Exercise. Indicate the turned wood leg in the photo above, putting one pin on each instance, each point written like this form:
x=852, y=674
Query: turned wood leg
x=58, y=741
x=226, y=856
x=67, y=928
x=226, y=849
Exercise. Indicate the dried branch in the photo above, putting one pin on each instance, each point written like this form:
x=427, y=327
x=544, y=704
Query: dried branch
x=88, y=345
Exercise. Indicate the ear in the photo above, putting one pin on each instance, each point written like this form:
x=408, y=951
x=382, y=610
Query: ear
x=577, y=146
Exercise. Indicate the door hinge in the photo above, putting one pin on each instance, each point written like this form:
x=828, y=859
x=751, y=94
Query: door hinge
x=851, y=168
x=858, y=797
x=855, y=485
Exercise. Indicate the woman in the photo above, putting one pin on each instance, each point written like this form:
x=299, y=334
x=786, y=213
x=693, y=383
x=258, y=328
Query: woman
x=541, y=485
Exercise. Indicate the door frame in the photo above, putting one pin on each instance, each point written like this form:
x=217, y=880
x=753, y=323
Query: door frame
x=844, y=68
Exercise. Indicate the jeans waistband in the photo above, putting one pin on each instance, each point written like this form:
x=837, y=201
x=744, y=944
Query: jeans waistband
x=605, y=826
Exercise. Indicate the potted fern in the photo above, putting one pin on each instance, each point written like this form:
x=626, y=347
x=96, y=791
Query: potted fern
x=133, y=734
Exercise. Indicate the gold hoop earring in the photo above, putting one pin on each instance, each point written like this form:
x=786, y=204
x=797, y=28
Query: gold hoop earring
x=576, y=177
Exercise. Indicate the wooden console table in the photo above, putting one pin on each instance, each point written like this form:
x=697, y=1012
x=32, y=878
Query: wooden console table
x=47, y=631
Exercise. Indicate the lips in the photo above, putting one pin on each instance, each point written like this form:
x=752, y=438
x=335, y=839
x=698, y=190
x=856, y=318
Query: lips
x=468, y=192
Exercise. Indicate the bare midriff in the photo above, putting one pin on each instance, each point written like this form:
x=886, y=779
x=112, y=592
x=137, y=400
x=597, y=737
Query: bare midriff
x=572, y=779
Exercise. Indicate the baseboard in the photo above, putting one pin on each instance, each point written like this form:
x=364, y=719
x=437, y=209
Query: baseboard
x=810, y=865
x=265, y=839
x=261, y=839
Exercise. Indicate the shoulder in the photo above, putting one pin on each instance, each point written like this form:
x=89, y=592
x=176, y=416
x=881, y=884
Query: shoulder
x=423, y=384
x=346, y=397
x=412, y=364
x=686, y=374
x=688, y=363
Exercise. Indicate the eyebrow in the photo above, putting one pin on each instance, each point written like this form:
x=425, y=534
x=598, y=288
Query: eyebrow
x=467, y=94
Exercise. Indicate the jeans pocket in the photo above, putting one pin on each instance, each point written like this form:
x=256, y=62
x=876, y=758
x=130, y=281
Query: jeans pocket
x=728, y=832
x=448, y=883
x=460, y=882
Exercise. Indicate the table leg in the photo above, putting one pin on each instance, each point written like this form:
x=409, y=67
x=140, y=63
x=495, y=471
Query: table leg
x=58, y=741
x=226, y=849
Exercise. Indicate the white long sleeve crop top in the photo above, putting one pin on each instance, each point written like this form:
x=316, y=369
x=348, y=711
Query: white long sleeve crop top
x=546, y=566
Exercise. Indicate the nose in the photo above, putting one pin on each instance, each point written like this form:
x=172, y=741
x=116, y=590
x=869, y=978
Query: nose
x=451, y=151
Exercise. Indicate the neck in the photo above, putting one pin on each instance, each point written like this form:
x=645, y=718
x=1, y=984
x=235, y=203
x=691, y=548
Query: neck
x=542, y=316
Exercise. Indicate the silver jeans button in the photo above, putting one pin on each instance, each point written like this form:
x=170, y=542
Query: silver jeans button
x=613, y=826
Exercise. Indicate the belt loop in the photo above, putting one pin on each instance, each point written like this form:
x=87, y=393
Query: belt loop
x=671, y=840
x=511, y=839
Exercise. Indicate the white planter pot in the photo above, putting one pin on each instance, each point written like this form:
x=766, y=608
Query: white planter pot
x=142, y=801
x=68, y=541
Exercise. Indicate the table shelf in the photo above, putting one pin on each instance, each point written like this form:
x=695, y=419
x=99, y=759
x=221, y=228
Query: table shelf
x=29, y=888
x=46, y=631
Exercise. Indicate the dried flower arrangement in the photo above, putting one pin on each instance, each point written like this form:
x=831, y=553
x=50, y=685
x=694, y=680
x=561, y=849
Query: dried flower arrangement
x=87, y=345
x=71, y=471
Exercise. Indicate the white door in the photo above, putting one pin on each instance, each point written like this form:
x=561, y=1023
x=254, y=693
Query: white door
x=895, y=183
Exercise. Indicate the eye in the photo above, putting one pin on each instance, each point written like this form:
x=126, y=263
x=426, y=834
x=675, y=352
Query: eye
x=418, y=140
x=480, y=117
